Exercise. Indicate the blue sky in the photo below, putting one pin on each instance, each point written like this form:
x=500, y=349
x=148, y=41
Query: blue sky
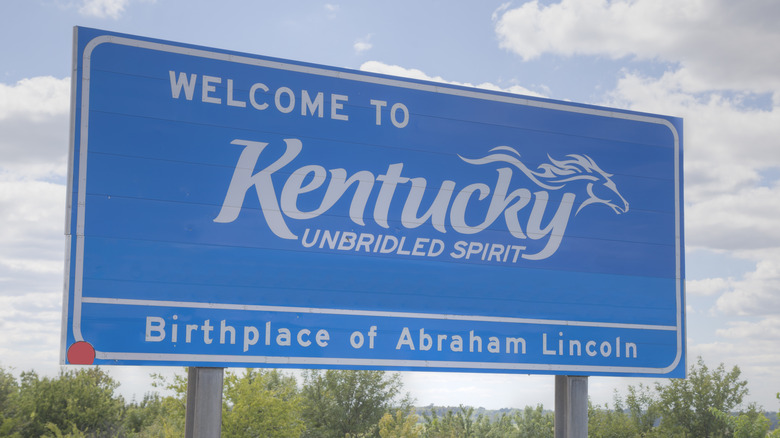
x=716, y=64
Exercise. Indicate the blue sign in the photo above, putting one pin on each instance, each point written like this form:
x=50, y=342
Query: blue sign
x=228, y=209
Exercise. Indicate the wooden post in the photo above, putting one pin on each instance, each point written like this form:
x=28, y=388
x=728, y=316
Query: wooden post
x=204, y=403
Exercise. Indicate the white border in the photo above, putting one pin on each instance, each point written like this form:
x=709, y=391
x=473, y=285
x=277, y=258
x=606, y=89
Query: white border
x=442, y=89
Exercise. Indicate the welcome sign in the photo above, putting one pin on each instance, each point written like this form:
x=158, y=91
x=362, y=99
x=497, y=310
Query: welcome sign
x=228, y=209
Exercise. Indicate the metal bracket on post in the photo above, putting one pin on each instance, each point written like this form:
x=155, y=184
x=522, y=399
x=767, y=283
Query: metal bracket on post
x=204, y=403
x=571, y=406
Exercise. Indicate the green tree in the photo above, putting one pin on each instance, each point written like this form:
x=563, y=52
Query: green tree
x=341, y=402
x=684, y=404
x=534, y=422
x=452, y=424
x=9, y=391
x=776, y=433
x=750, y=424
x=140, y=415
x=501, y=427
x=156, y=415
x=261, y=404
x=401, y=425
x=609, y=423
x=643, y=408
x=76, y=401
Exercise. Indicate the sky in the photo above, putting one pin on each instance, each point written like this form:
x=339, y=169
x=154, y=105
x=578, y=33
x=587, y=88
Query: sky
x=715, y=63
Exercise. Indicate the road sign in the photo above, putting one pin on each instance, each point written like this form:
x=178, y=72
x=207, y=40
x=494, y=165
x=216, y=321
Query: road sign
x=228, y=209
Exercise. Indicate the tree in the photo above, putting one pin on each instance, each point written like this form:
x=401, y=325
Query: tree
x=401, y=425
x=141, y=415
x=534, y=422
x=501, y=427
x=451, y=425
x=261, y=404
x=9, y=390
x=607, y=423
x=77, y=402
x=156, y=415
x=750, y=424
x=776, y=432
x=684, y=405
x=643, y=408
x=341, y=402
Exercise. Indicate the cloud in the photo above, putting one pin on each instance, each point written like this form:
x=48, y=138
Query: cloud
x=707, y=286
x=103, y=8
x=724, y=44
x=757, y=294
x=363, y=45
x=33, y=218
x=34, y=128
x=746, y=219
x=413, y=73
x=33, y=163
x=765, y=329
x=713, y=81
x=756, y=357
x=35, y=98
x=331, y=10
x=728, y=147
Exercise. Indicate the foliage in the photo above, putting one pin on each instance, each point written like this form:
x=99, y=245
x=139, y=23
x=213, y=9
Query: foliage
x=527, y=423
x=500, y=427
x=776, y=432
x=401, y=425
x=80, y=402
x=156, y=416
x=751, y=424
x=451, y=425
x=606, y=423
x=643, y=408
x=261, y=403
x=9, y=390
x=534, y=422
x=684, y=404
x=341, y=402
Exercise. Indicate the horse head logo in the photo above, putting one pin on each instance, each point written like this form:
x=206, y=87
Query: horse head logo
x=557, y=174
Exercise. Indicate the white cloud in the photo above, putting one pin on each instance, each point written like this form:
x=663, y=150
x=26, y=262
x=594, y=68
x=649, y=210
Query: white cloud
x=413, y=73
x=757, y=294
x=32, y=214
x=707, y=286
x=726, y=147
x=745, y=219
x=363, y=45
x=756, y=357
x=331, y=10
x=724, y=44
x=765, y=329
x=30, y=325
x=33, y=155
x=35, y=98
x=34, y=128
x=103, y=8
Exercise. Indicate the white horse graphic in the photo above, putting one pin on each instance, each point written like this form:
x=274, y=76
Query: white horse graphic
x=559, y=173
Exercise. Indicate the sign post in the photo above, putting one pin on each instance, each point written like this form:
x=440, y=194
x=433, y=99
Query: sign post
x=233, y=210
x=571, y=406
x=203, y=418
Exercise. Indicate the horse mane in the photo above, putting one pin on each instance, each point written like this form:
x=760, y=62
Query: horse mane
x=557, y=173
x=551, y=176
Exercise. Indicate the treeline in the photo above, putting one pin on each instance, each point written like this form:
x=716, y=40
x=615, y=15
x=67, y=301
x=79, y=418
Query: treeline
x=340, y=404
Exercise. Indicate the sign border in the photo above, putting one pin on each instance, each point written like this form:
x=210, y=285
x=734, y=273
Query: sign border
x=80, y=100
